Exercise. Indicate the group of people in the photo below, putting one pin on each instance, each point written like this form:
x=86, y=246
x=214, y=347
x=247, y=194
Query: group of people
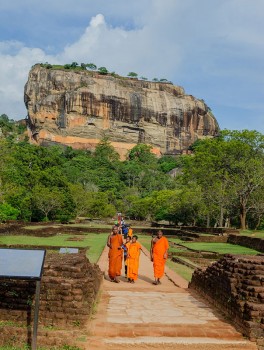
x=126, y=247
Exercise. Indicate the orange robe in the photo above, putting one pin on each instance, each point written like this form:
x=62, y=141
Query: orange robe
x=130, y=232
x=158, y=251
x=125, y=257
x=133, y=260
x=115, y=256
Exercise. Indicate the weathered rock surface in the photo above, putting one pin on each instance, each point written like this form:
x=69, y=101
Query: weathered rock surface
x=78, y=108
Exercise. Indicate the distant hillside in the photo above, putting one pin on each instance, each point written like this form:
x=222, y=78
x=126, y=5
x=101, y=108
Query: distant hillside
x=10, y=128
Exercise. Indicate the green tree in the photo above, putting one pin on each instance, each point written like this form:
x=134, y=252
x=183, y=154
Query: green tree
x=256, y=210
x=132, y=75
x=102, y=70
x=91, y=66
x=230, y=170
x=7, y=212
x=6, y=125
x=246, y=166
x=47, y=200
x=131, y=173
x=104, y=151
x=99, y=206
x=186, y=206
x=140, y=208
x=167, y=163
x=142, y=153
x=74, y=65
x=161, y=201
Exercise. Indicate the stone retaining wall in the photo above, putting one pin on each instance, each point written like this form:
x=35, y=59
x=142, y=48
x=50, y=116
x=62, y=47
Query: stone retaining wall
x=212, y=239
x=235, y=285
x=48, y=230
x=209, y=230
x=250, y=242
x=69, y=288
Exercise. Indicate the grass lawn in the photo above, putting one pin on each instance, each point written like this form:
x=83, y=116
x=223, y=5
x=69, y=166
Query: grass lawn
x=145, y=240
x=251, y=233
x=92, y=224
x=174, y=240
x=221, y=248
x=87, y=225
x=95, y=242
x=189, y=261
x=182, y=270
x=40, y=227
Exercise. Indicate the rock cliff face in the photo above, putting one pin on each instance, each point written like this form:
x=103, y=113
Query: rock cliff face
x=79, y=108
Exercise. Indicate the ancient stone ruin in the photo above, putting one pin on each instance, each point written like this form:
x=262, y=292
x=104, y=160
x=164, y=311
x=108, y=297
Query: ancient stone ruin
x=235, y=285
x=69, y=289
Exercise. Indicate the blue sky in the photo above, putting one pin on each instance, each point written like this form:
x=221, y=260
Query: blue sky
x=213, y=48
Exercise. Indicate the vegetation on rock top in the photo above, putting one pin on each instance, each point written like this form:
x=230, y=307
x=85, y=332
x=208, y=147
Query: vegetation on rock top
x=100, y=70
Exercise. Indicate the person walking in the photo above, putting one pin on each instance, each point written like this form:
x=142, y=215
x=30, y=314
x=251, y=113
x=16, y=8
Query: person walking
x=159, y=254
x=133, y=260
x=115, y=242
x=130, y=232
x=125, y=248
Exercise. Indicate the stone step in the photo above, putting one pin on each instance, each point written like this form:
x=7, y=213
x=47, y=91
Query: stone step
x=198, y=343
x=147, y=331
x=215, y=330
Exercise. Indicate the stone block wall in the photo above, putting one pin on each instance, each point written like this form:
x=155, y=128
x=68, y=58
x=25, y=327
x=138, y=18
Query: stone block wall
x=69, y=288
x=245, y=241
x=235, y=285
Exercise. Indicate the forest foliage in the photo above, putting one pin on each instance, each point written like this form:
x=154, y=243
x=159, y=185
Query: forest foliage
x=220, y=183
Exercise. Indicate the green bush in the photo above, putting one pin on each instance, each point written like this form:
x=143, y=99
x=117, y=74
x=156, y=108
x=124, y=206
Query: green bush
x=7, y=212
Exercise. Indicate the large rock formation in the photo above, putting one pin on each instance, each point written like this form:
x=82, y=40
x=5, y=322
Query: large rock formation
x=79, y=108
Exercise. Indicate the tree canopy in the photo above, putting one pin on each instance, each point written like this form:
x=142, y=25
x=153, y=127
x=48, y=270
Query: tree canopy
x=220, y=183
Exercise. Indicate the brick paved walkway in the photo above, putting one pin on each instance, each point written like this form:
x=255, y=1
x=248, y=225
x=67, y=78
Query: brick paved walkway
x=167, y=316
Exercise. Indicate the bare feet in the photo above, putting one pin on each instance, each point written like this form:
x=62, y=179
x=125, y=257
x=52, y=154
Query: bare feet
x=115, y=280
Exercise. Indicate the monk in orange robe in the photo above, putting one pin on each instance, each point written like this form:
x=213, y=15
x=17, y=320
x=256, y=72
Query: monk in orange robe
x=159, y=254
x=115, y=242
x=133, y=260
x=130, y=232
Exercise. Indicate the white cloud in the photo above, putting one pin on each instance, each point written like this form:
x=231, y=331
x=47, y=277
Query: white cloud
x=14, y=72
x=213, y=48
x=140, y=50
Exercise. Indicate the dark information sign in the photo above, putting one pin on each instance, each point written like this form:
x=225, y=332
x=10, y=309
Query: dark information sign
x=26, y=264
